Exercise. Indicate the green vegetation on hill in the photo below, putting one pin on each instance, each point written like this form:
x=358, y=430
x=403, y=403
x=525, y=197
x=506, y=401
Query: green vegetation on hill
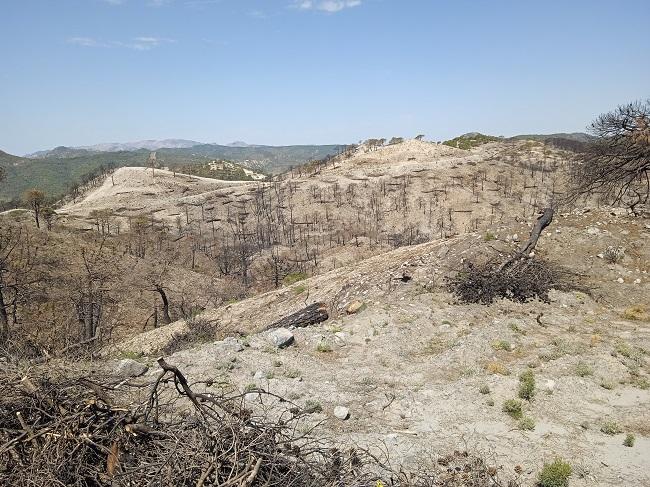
x=57, y=174
x=471, y=140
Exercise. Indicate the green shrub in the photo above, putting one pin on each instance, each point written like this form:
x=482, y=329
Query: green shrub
x=502, y=345
x=611, y=428
x=513, y=408
x=555, y=474
x=583, y=369
x=527, y=424
x=527, y=385
x=324, y=347
x=294, y=277
x=629, y=440
x=484, y=389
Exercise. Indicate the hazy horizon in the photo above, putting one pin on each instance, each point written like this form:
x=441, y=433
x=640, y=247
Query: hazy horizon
x=285, y=72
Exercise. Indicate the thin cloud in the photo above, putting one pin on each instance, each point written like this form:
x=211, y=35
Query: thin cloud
x=329, y=6
x=142, y=43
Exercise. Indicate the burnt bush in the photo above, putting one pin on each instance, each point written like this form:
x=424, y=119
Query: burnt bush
x=198, y=330
x=63, y=430
x=520, y=280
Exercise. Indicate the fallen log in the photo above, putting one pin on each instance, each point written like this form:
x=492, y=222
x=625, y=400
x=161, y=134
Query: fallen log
x=311, y=315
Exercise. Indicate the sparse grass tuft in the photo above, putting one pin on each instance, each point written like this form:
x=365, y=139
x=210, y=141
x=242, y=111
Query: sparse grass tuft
x=323, y=347
x=502, y=345
x=513, y=408
x=555, y=474
x=636, y=313
x=293, y=278
x=312, y=406
x=489, y=236
x=484, y=389
x=611, y=428
x=497, y=368
x=527, y=385
x=583, y=369
x=629, y=440
x=527, y=423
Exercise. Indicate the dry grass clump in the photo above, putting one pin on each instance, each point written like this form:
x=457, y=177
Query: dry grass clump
x=104, y=432
x=198, y=330
x=636, y=313
x=522, y=280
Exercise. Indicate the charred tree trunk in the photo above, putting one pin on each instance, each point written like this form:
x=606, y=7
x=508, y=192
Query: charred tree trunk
x=542, y=222
x=166, y=319
x=4, y=319
x=311, y=315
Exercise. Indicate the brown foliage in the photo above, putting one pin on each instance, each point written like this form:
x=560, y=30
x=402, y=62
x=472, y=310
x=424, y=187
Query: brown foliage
x=78, y=432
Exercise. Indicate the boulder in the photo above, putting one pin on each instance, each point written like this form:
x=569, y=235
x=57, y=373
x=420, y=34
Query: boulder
x=281, y=337
x=231, y=344
x=130, y=368
x=341, y=412
x=354, y=307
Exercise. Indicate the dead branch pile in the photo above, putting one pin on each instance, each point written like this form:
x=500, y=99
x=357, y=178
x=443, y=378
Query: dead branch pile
x=522, y=280
x=78, y=432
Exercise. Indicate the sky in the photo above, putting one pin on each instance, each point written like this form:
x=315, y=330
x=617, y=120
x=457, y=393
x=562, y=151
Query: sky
x=279, y=72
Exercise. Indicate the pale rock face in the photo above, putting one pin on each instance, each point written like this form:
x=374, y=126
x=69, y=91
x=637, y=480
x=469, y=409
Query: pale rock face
x=130, y=368
x=341, y=412
x=354, y=307
x=281, y=337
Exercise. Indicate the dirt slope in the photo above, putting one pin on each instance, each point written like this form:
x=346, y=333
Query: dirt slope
x=411, y=364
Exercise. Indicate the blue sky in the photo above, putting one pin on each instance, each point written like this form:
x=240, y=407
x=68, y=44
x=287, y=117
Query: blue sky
x=76, y=72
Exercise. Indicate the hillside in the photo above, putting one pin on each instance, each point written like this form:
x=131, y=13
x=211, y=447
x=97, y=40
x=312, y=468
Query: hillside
x=63, y=167
x=373, y=235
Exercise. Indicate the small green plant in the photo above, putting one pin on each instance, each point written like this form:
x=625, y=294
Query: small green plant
x=489, y=236
x=527, y=385
x=250, y=387
x=299, y=289
x=611, y=428
x=324, y=347
x=277, y=363
x=292, y=373
x=555, y=474
x=270, y=375
x=516, y=328
x=526, y=423
x=293, y=278
x=502, y=345
x=484, y=389
x=583, y=369
x=513, y=408
x=629, y=440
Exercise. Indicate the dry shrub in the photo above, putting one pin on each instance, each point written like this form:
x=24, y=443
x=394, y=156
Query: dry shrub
x=198, y=330
x=104, y=432
x=521, y=280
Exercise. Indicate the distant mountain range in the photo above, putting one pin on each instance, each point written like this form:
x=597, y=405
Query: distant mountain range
x=56, y=170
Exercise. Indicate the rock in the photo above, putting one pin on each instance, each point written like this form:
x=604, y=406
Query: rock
x=637, y=281
x=281, y=337
x=231, y=344
x=259, y=375
x=354, y=307
x=620, y=280
x=130, y=368
x=550, y=386
x=515, y=238
x=341, y=412
x=593, y=231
